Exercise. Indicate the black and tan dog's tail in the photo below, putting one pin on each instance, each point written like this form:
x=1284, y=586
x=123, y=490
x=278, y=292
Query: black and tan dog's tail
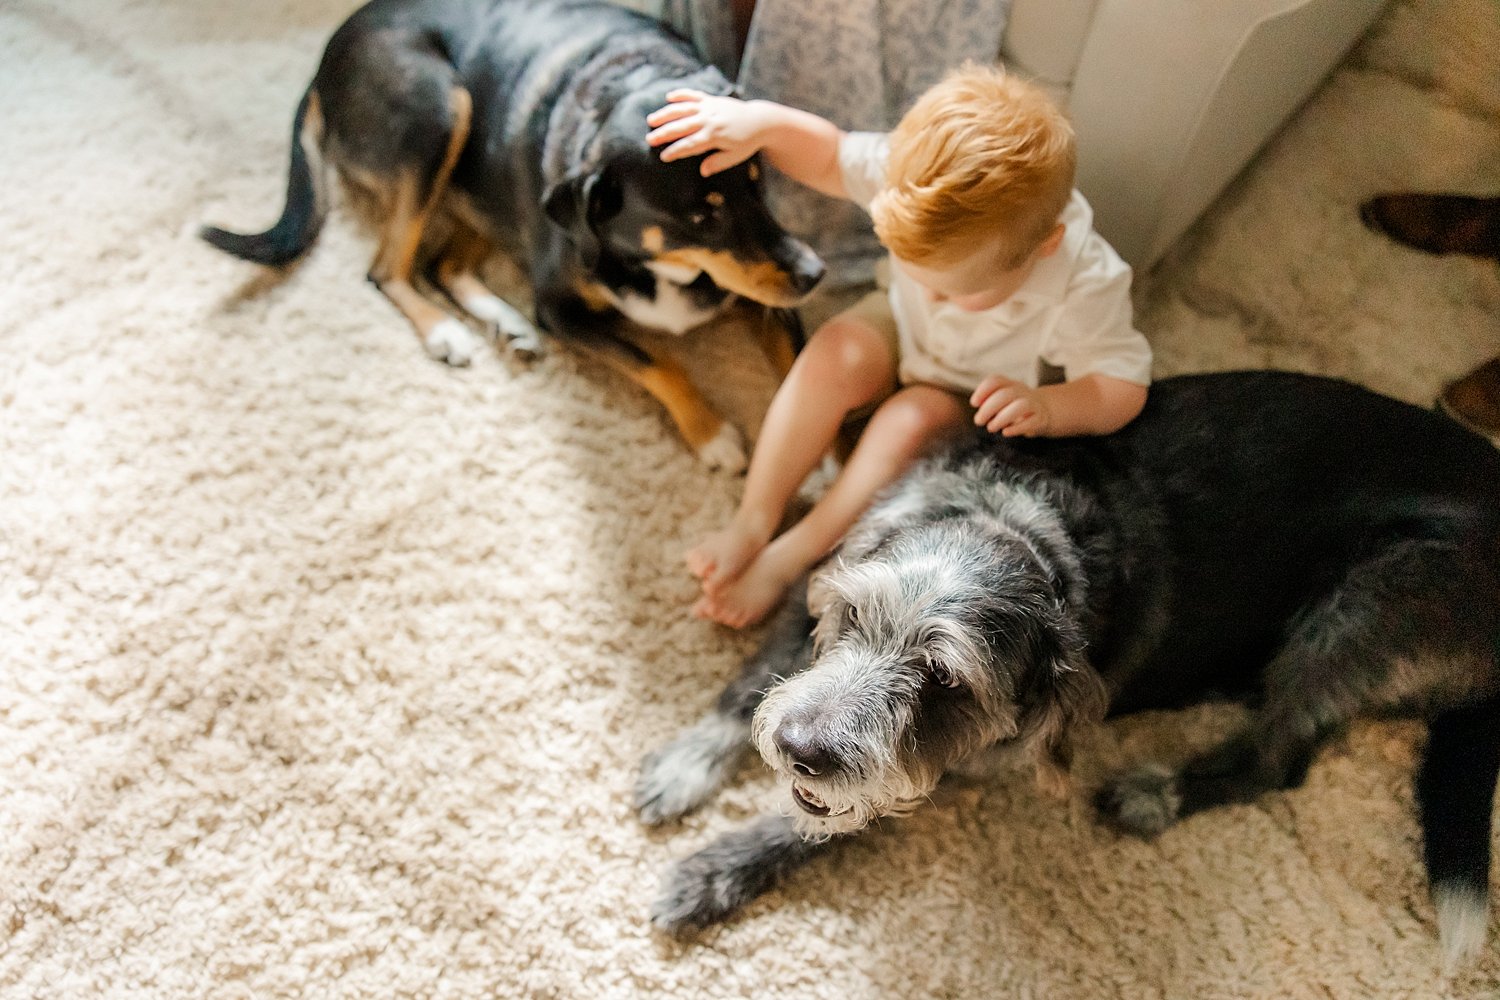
x=303, y=215
x=1456, y=791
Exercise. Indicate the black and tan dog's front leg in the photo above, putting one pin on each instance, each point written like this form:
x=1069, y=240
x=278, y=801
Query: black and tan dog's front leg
x=780, y=334
x=456, y=272
x=715, y=441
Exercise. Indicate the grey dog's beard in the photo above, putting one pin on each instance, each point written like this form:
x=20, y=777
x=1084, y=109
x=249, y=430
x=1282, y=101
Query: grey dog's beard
x=851, y=815
x=852, y=804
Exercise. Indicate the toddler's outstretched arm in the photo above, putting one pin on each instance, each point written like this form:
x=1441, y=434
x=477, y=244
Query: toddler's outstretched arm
x=729, y=130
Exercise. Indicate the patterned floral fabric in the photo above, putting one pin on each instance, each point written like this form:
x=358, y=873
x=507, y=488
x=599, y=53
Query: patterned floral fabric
x=858, y=63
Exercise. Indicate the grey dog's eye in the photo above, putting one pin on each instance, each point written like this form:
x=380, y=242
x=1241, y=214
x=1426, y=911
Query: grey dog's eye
x=851, y=615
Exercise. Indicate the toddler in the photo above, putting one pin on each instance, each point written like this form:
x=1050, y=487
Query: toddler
x=995, y=276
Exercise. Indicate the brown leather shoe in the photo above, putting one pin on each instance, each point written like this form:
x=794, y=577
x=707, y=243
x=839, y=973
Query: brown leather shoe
x=1437, y=223
x=1474, y=400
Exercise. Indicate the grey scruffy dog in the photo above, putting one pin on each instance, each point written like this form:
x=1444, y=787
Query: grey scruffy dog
x=1318, y=549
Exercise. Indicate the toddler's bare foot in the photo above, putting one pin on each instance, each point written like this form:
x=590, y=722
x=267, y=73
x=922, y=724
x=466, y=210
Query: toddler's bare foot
x=723, y=555
x=752, y=595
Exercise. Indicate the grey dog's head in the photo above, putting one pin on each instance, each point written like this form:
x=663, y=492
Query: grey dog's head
x=944, y=641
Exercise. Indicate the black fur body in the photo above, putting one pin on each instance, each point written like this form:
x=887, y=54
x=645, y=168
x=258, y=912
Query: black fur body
x=1315, y=549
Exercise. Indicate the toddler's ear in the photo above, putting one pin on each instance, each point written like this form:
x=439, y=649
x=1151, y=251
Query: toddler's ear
x=1053, y=241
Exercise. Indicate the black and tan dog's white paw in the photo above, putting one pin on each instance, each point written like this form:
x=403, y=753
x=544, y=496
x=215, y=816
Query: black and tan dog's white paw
x=517, y=336
x=1144, y=801
x=725, y=451
x=451, y=342
x=684, y=774
x=524, y=347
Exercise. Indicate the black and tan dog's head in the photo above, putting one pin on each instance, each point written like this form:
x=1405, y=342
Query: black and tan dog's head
x=942, y=642
x=625, y=202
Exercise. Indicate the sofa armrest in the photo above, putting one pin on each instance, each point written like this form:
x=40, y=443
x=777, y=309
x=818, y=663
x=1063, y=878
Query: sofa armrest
x=1171, y=98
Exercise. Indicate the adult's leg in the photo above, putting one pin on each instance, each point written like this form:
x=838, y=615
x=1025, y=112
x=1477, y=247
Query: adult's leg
x=1450, y=223
x=1474, y=400
x=1437, y=223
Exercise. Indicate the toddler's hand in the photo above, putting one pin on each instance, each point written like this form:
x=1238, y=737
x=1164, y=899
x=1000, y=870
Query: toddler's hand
x=1010, y=408
x=694, y=122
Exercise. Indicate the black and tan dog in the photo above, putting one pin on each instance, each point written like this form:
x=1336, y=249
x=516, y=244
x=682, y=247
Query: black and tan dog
x=521, y=124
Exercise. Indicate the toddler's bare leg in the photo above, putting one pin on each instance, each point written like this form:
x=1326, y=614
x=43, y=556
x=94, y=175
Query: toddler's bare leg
x=846, y=365
x=905, y=426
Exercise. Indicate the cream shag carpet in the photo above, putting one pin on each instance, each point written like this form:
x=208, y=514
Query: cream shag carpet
x=326, y=669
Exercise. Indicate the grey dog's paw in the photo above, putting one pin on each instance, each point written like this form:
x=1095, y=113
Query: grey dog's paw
x=670, y=784
x=711, y=885
x=525, y=350
x=696, y=892
x=685, y=773
x=1144, y=801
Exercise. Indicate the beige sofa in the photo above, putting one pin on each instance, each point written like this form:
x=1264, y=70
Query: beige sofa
x=1171, y=98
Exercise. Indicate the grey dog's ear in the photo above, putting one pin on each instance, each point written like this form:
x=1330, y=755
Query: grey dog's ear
x=580, y=203
x=1063, y=693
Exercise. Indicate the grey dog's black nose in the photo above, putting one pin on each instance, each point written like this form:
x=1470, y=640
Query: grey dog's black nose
x=810, y=756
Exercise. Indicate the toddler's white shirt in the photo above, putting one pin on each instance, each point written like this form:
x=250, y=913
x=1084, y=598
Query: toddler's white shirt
x=1073, y=312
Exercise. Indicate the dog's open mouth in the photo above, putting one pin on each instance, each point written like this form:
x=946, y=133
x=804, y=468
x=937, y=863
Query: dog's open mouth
x=808, y=800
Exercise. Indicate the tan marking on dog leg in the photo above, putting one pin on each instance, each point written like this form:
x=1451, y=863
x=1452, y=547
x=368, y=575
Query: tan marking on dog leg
x=668, y=382
x=457, y=268
x=402, y=234
x=592, y=294
x=775, y=342
x=310, y=138
x=314, y=118
x=457, y=275
x=715, y=442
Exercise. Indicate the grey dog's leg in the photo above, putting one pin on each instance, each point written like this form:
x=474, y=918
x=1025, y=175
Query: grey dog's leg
x=682, y=775
x=709, y=886
x=677, y=778
x=1370, y=644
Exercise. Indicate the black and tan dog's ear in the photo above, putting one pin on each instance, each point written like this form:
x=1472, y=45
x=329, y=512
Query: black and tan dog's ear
x=580, y=203
x=1064, y=694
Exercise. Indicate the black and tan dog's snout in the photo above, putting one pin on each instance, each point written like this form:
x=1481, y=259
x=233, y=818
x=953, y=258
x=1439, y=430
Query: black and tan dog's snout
x=806, y=271
x=780, y=281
